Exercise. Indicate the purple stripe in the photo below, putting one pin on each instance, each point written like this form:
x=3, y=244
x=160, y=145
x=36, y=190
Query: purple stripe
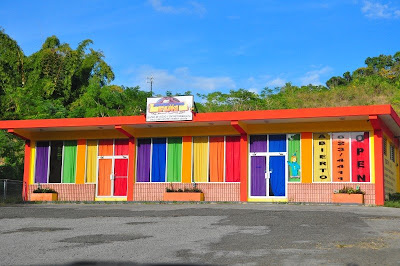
x=143, y=160
x=42, y=161
x=258, y=143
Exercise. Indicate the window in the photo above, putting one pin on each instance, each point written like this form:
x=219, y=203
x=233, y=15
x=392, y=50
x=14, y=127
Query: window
x=384, y=146
x=159, y=160
x=192, y=159
x=392, y=152
x=55, y=161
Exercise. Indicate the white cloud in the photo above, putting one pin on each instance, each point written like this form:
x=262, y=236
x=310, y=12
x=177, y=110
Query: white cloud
x=376, y=10
x=277, y=82
x=253, y=90
x=263, y=81
x=191, y=7
x=213, y=83
x=179, y=80
x=313, y=77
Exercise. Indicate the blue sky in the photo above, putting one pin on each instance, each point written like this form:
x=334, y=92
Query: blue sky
x=204, y=46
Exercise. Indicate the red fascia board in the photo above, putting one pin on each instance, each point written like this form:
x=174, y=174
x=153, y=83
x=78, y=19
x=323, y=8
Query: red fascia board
x=296, y=113
x=207, y=117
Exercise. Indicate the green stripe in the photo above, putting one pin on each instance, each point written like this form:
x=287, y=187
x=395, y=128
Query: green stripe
x=69, y=162
x=174, y=160
x=294, y=149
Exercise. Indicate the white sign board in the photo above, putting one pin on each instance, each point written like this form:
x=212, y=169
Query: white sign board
x=178, y=108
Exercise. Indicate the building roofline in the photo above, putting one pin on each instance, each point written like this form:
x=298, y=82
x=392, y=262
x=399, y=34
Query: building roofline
x=303, y=113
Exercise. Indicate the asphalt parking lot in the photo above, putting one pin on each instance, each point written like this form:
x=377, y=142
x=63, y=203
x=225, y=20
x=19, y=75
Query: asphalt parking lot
x=243, y=234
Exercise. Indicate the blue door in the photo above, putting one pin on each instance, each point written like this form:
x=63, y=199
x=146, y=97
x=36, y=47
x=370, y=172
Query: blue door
x=277, y=186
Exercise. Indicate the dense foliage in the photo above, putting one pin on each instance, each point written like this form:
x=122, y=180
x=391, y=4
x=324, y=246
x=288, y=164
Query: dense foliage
x=58, y=81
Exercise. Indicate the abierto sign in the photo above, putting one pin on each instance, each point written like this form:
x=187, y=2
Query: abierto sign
x=178, y=108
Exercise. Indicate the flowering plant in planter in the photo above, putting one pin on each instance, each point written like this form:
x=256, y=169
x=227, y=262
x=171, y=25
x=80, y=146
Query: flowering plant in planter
x=350, y=190
x=348, y=195
x=186, y=194
x=44, y=190
x=44, y=194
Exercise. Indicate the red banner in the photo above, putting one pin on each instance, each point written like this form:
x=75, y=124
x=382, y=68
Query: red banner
x=360, y=156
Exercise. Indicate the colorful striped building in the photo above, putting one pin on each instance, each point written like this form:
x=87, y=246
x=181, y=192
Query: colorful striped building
x=299, y=155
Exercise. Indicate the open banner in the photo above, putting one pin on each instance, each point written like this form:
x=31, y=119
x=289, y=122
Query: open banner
x=360, y=156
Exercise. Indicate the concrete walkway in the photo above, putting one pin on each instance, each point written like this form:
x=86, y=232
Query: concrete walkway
x=249, y=234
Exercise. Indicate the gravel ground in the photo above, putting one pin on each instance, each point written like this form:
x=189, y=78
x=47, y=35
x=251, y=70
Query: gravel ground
x=242, y=234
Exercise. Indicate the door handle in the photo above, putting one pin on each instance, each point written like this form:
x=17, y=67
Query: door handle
x=267, y=174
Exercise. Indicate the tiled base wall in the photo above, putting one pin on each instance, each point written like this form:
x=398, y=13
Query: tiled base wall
x=298, y=192
x=69, y=192
x=212, y=192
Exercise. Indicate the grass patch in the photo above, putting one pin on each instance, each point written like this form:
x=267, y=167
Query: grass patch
x=392, y=203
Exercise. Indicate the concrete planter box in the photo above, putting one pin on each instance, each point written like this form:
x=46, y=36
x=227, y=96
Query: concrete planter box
x=183, y=196
x=44, y=196
x=348, y=198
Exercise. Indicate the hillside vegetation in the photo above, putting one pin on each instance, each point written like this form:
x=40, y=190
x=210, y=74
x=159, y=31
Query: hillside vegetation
x=58, y=81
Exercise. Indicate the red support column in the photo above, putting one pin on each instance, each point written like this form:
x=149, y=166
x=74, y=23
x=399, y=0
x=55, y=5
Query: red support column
x=27, y=161
x=379, y=171
x=379, y=127
x=131, y=169
x=243, y=167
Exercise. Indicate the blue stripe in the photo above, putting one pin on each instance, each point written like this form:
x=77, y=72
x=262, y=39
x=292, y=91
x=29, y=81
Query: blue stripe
x=158, y=160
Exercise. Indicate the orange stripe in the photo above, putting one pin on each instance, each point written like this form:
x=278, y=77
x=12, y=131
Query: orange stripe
x=81, y=161
x=104, y=182
x=306, y=157
x=131, y=169
x=187, y=160
x=341, y=158
x=217, y=161
x=106, y=147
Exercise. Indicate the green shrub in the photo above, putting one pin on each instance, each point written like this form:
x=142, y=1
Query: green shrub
x=394, y=196
x=44, y=190
x=350, y=190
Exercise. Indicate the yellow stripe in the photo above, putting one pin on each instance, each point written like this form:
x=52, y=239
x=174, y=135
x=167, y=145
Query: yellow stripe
x=109, y=199
x=372, y=153
x=33, y=154
x=397, y=170
x=91, y=162
x=322, y=157
x=268, y=200
x=200, y=159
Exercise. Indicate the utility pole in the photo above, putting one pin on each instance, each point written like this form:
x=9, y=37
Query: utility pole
x=150, y=80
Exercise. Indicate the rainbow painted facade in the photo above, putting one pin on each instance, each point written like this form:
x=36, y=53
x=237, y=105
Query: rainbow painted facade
x=300, y=155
